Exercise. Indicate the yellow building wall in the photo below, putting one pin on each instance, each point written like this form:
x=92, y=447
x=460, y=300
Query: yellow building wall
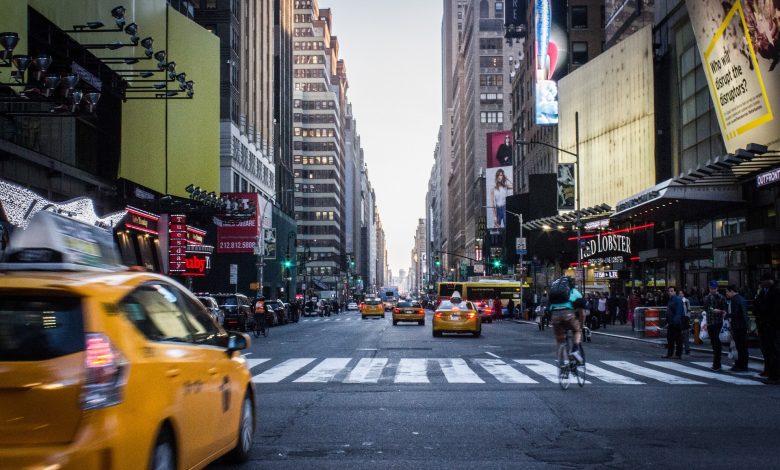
x=613, y=94
x=191, y=127
x=13, y=18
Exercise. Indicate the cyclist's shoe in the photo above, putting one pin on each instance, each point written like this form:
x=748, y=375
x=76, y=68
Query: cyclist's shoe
x=577, y=356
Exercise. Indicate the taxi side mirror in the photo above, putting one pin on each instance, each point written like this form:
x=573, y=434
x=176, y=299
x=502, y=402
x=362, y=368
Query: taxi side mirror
x=237, y=342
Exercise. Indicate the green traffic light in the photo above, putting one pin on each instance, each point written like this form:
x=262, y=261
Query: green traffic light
x=287, y=263
x=497, y=263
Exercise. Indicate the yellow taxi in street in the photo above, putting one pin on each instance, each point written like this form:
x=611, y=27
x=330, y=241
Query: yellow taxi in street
x=105, y=368
x=372, y=307
x=408, y=310
x=456, y=316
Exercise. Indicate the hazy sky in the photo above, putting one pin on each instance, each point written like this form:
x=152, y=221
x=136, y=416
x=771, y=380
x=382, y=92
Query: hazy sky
x=392, y=50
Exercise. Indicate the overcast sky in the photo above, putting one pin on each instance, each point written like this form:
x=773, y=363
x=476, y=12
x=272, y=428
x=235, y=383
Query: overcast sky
x=392, y=50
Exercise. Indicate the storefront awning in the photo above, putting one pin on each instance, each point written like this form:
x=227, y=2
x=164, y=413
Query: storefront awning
x=672, y=200
x=568, y=218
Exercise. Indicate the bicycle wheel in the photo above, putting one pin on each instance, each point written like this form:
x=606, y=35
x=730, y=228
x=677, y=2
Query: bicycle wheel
x=563, y=365
x=581, y=370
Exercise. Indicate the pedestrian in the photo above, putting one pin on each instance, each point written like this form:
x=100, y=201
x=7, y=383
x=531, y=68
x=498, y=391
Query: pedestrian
x=510, y=307
x=739, y=324
x=714, y=306
x=633, y=302
x=686, y=322
x=674, y=315
x=497, y=309
x=766, y=308
x=612, y=308
x=622, y=309
x=602, y=308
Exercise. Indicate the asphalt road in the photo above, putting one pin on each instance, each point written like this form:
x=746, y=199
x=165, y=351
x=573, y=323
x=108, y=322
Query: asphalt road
x=346, y=393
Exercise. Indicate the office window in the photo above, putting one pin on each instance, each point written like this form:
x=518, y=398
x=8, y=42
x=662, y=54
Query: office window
x=579, y=17
x=484, y=9
x=579, y=52
x=500, y=10
x=491, y=61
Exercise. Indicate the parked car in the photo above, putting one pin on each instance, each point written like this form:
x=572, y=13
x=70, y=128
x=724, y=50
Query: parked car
x=237, y=311
x=211, y=305
x=280, y=312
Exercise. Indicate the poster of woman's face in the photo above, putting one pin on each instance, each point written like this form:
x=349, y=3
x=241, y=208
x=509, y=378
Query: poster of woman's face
x=498, y=186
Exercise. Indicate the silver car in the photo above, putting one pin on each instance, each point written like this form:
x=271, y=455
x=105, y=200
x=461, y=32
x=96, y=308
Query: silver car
x=211, y=305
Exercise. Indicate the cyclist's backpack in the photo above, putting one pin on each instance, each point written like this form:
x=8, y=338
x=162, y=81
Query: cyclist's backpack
x=559, y=291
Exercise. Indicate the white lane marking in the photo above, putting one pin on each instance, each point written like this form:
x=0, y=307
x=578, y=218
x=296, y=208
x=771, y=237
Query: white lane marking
x=705, y=374
x=316, y=319
x=282, y=371
x=368, y=349
x=325, y=370
x=412, y=371
x=494, y=355
x=457, y=371
x=367, y=370
x=251, y=363
x=548, y=371
x=652, y=373
x=609, y=376
x=503, y=372
x=750, y=366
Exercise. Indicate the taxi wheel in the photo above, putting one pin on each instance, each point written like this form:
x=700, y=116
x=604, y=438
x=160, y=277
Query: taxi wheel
x=395, y=322
x=436, y=334
x=246, y=433
x=362, y=317
x=421, y=322
x=477, y=333
x=164, y=453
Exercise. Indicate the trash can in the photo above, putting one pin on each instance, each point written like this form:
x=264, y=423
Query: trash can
x=652, y=322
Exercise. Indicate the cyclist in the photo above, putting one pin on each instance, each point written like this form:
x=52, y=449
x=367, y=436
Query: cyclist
x=567, y=313
x=260, y=311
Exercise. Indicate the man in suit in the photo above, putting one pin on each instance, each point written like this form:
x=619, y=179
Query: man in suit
x=674, y=317
x=739, y=325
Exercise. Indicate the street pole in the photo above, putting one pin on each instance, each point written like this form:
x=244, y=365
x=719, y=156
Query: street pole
x=522, y=276
x=577, y=182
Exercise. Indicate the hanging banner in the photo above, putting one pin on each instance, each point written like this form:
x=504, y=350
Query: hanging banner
x=239, y=234
x=498, y=178
x=551, y=58
x=566, y=188
x=514, y=18
x=738, y=42
x=177, y=252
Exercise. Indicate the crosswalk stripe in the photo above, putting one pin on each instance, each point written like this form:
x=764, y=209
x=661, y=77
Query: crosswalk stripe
x=325, y=370
x=251, y=363
x=548, y=371
x=456, y=371
x=709, y=364
x=610, y=377
x=701, y=373
x=367, y=370
x=652, y=373
x=283, y=370
x=412, y=371
x=503, y=372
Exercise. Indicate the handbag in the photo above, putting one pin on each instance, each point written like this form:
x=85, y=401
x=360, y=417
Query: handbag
x=703, y=333
x=725, y=332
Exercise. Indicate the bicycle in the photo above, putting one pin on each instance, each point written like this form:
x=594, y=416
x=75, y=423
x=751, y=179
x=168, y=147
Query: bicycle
x=568, y=366
x=259, y=327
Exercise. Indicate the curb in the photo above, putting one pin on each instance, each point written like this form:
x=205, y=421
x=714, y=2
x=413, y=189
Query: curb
x=642, y=340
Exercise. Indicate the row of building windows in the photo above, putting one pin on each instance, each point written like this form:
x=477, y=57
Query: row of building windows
x=486, y=79
x=308, y=59
x=320, y=271
x=315, y=146
x=316, y=188
x=314, y=105
x=303, y=132
x=316, y=216
x=491, y=97
x=302, y=4
x=311, y=87
x=302, y=18
x=490, y=43
x=315, y=174
x=303, y=32
x=301, y=160
x=491, y=117
x=309, y=46
x=315, y=118
x=316, y=202
x=309, y=73
x=493, y=61
x=329, y=229
x=304, y=244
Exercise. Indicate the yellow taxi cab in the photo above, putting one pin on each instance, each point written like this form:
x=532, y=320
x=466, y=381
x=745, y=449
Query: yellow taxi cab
x=456, y=316
x=408, y=310
x=372, y=307
x=105, y=368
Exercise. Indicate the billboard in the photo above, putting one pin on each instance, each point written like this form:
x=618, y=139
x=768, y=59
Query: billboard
x=566, y=187
x=240, y=234
x=739, y=47
x=498, y=178
x=514, y=18
x=551, y=58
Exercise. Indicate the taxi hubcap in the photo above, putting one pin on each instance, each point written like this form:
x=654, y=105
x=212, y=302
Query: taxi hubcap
x=246, y=425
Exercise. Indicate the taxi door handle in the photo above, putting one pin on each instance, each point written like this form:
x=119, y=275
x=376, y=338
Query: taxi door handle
x=172, y=373
x=213, y=371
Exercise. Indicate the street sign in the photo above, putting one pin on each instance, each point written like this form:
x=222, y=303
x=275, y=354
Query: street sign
x=479, y=269
x=234, y=274
x=611, y=274
x=520, y=246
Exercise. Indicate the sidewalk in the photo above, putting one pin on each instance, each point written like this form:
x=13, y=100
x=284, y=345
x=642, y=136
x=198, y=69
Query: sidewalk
x=626, y=332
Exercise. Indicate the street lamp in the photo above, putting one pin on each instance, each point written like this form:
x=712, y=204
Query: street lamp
x=576, y=155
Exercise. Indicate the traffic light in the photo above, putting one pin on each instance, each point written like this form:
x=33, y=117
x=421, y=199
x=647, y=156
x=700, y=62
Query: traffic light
x=287, y=263
x=497, y=263
x=437, y=262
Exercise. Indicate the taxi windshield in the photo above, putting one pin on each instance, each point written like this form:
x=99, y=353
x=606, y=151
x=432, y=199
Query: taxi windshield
x=409, y=304
x=373, y=302
x=447, y=305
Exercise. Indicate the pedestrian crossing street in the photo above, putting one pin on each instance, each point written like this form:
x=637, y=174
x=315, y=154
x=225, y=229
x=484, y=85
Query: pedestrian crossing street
x=379, y=370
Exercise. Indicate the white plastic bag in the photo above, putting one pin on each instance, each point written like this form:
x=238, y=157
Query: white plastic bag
x=725, y=332
x=733, y=350
x=703, y=333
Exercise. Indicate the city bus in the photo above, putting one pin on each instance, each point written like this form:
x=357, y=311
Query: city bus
x=481, y=290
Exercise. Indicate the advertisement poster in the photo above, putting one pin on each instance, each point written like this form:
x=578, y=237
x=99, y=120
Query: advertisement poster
x=239, y=234
x=551, y=57
x=739, y=43
x=498, y=178
x=566, y=187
